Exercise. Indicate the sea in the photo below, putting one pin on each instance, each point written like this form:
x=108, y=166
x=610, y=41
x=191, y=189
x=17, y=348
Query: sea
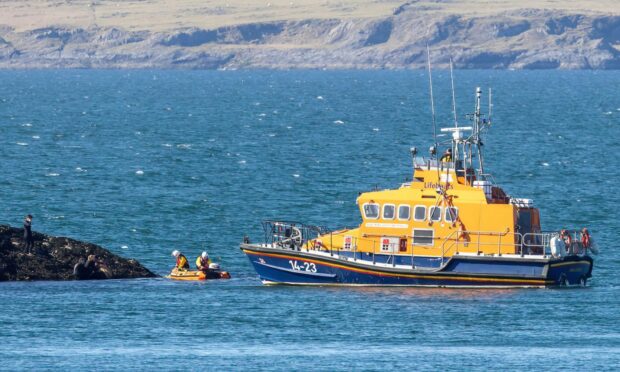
x=143, y=162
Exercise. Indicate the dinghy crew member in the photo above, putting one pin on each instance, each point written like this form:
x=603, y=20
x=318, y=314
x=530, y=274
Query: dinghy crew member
x=182, y=263
x=203, y=261
x=447, y=156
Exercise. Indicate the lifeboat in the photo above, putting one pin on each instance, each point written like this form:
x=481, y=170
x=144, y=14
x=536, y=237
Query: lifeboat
x=196, y=275
x=451, y=226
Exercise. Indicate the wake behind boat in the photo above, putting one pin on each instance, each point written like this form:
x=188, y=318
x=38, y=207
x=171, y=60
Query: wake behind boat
x=452, y=226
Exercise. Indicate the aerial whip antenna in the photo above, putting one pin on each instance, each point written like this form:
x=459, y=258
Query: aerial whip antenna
x=456, y=125
x=490, y=106
x=430, y=81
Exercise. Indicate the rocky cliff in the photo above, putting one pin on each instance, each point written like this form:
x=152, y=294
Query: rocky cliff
x=54, y=258
x=520, y=39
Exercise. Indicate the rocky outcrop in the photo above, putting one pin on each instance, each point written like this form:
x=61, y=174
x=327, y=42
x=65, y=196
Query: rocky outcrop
x=525, y=39
x=54, y=258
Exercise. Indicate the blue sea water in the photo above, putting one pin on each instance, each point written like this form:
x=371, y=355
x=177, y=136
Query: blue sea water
x=144, y=162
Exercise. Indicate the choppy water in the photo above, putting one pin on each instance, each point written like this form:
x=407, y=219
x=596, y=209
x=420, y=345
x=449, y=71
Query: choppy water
x=142, y=162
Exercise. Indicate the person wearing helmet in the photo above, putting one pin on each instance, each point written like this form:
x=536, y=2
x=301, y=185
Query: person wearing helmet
x=203, y=261
x=182, y=263
x=447, y=156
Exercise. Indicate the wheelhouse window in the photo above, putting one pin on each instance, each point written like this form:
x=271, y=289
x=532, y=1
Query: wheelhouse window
x=423, y=236
x=451, y=214
x=389, y=211
x=371, y=211
x=434, y=214
x=419, y=213
x=403, y=212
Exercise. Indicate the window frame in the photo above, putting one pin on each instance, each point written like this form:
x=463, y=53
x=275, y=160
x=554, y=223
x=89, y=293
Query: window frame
x=425, y=211
x=408, y=213
x=432, y=238
x=445, y=214
x=430, y=213
x=393, y=211
x=378, y=211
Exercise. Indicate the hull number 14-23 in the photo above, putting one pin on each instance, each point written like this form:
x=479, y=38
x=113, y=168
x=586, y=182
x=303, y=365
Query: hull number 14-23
x=303, y=266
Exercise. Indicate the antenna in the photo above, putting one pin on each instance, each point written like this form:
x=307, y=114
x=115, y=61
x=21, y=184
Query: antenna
x=477, y=128
x=456, y=125
x=490, y=106
x=430, y=81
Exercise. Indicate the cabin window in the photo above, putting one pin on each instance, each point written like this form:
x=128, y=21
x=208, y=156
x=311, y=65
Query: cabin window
x=451, y=214
x=434, y=214
x=419, y=213
x=403, y=212
x=371, y=211
x=388, y=211
x=423, y=236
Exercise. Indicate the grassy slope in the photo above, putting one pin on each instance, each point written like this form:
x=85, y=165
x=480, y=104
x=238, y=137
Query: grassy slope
x=164, y=15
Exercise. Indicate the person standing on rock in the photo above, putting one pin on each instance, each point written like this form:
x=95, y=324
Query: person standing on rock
x=28, y=240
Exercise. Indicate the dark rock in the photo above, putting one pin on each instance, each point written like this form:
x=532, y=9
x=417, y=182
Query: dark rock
x=55, y=258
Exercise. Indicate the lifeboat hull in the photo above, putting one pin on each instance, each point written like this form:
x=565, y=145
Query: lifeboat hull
x=283, y=266
x=197, y=275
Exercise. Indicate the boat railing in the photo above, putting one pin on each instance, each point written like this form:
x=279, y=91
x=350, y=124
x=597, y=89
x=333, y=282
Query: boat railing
x=501, y=242
x=291, y=234
x=535, y=243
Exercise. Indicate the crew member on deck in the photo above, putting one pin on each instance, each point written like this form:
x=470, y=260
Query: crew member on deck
x=203, y=261
x=585, y=238
x=565, y=236
x=182, y=263
x=447, y=156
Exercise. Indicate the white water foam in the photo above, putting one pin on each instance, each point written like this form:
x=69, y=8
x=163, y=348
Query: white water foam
x=21, y=143
x=139, y=172
x=338, y=122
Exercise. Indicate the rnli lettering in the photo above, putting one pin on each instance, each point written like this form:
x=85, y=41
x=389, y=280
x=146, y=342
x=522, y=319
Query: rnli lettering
x=387, y=225
x=432, y=185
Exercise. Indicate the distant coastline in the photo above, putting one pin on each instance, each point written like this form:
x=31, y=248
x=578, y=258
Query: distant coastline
x=513, y=39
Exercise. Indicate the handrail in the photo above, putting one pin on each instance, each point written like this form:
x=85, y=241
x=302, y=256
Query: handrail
x=529, y=243
x=455, y=241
